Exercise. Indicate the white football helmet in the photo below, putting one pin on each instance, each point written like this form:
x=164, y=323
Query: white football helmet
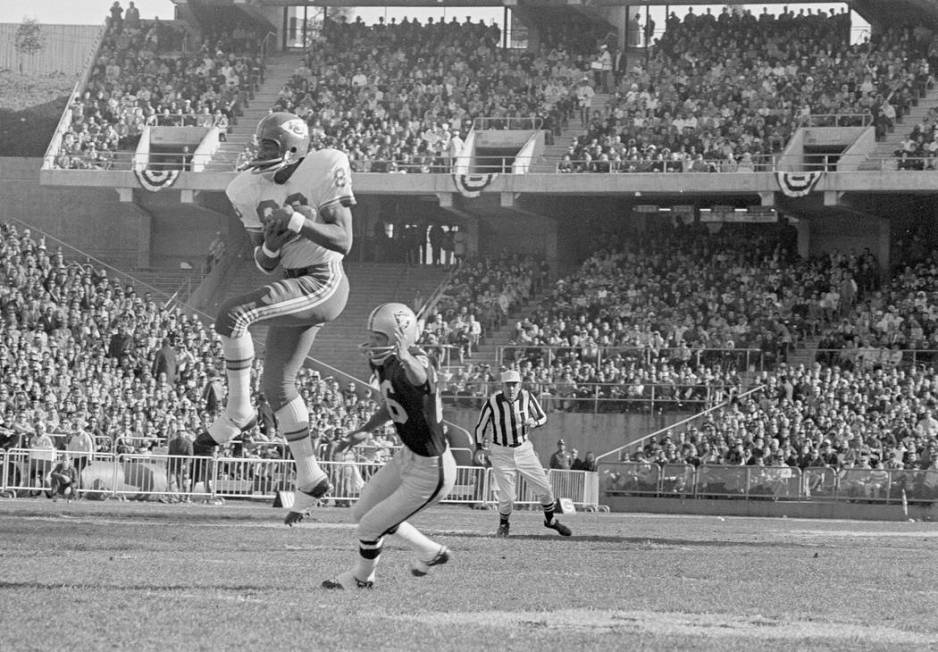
x=386, y=319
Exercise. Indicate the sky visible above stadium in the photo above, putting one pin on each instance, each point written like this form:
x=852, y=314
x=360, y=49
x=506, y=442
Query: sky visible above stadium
x=92, y=12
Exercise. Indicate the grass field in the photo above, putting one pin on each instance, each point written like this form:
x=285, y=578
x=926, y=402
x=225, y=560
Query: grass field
x=124, y=576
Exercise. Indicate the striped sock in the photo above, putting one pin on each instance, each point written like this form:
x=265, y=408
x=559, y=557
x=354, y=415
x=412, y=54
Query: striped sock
x=548, y=513
x=239, y=356
x=369, y=553
x=294, y=424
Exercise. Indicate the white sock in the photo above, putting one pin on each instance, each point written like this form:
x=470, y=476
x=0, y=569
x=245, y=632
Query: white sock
x=418, y=541
x=239, y=355
x=294, y=426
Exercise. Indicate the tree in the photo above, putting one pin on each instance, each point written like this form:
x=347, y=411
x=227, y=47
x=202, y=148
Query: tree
x=28, y=39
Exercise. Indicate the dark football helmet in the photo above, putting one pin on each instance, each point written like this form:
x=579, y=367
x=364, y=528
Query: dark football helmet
x=282, y=139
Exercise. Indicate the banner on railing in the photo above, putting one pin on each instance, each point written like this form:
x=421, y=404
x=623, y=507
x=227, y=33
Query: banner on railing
x=155, y=180
x=471, y=185
x=797, y=184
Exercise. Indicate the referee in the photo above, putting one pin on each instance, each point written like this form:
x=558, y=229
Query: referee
x=512, y=413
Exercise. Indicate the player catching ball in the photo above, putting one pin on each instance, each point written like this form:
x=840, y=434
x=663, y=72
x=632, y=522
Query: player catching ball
x=294, y=205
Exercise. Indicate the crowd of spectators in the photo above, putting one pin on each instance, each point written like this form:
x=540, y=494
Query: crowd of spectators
x=896, y=323
x=681, y=311
x=477, y=300
x=89, y=364
x=401, y=96
x=816, y=417
x=725, y=93
x=143, y=77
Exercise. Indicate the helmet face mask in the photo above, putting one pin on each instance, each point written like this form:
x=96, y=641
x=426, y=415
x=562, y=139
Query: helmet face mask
x=387, y=324
x=282, y=139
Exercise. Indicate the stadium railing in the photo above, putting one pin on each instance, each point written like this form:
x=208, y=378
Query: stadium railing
x=736, y=358
x=890, y=486
x=870, y=357
x=836, y=120
x=604, y=397
x=146, y=476
x=532, y=123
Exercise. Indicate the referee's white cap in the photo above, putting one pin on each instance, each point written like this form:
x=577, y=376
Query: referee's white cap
x=511, y=376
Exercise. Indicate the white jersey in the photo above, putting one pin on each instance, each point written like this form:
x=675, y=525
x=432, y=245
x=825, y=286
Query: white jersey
x=322, y=178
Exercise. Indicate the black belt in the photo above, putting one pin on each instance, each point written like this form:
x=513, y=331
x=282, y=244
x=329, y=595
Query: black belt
x=301, y=271
x=511, y=445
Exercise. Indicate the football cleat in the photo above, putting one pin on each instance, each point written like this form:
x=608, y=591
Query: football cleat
x=502, y=530
x=304, y=500
x=561, y=529
x=421, y=568
x=347, y=580
x=205, y=445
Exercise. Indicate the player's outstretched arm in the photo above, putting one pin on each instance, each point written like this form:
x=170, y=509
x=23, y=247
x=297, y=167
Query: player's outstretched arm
x=356, y=437
x=334, y=232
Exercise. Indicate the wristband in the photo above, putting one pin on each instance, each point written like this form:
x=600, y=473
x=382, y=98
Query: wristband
x=296, y=222
x=267, y=252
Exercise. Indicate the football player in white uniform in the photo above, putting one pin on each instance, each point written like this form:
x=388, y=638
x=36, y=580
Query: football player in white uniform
x=294, y=204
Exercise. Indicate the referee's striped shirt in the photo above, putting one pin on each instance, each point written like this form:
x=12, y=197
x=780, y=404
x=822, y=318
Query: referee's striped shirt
x=507, y=418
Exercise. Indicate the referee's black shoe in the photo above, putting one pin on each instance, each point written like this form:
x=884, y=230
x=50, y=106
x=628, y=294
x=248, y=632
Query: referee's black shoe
x=561, y=529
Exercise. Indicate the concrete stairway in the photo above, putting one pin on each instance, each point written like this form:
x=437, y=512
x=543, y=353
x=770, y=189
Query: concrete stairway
x=487, y=353
x=279, y=69
x=805, y=353
x=370, y=284
x=885, y=149
x=550, y=157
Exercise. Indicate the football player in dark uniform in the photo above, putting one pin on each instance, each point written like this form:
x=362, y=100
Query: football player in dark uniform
x=423, y=471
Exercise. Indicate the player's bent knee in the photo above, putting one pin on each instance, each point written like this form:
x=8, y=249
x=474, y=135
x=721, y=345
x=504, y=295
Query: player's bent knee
x=278, y=392
x=231, y=320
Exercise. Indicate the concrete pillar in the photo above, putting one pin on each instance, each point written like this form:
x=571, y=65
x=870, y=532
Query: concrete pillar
x=803, y=227
x=472, y=237
x=883, y=250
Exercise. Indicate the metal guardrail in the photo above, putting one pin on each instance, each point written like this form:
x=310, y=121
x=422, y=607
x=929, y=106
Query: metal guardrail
x=822, y=484
x=738, y=359
x=606, y=397
x=836, y=120
x=25, y=472
x=879, y=356
x=532, y=123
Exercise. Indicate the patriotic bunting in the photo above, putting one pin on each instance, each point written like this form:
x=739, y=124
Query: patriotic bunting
x=470, y=185
x=154, y=180
x=797, y=184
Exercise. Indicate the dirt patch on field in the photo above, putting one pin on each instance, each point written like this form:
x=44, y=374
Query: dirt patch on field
x=707, y=625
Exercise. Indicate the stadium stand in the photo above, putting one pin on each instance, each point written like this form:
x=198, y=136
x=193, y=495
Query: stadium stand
x=150, y=75
x=82, y=350
x=726, y=93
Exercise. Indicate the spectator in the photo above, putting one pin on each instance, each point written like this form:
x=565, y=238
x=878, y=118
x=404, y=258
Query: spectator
x=561, y=458
x=62, y=478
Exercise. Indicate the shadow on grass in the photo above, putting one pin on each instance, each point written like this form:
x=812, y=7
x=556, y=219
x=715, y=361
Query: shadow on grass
x=200, y=586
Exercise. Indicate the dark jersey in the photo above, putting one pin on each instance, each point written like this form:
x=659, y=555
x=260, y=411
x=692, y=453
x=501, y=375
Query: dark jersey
x=417, y=411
